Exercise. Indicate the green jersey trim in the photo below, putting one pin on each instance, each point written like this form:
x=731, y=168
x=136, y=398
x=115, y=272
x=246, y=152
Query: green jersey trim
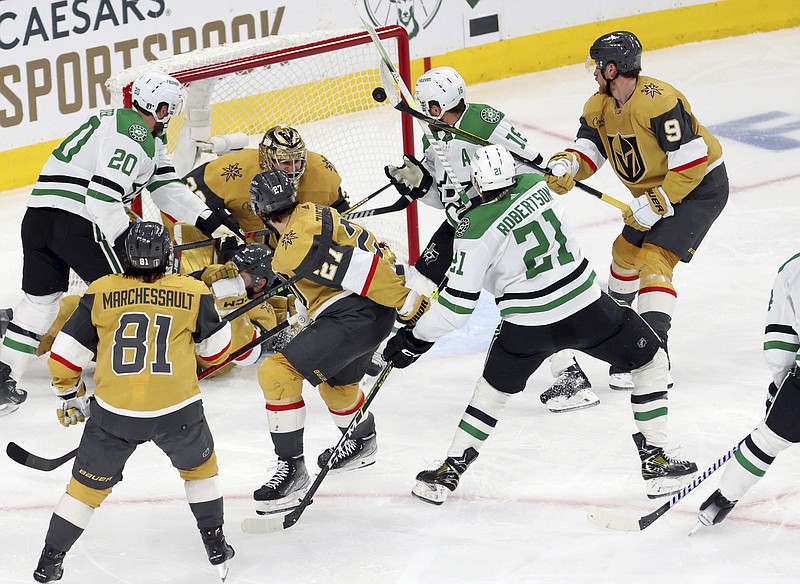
x=160, y=183
x=131, y=124
x=454, y=307
x=789, y=261
x=480, y=119
x=553, y=304
x=59, y=193
x=101, y=197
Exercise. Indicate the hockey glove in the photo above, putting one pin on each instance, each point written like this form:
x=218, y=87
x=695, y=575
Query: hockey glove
x=229, y=294
x=647, y=209
x=412, y=180
x=74, y=407
x=413, y=308
x=404, y=348
x=219, y=223
x=216, y=272
x=563, y=166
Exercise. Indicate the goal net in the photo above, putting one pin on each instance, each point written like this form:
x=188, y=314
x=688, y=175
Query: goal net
x=319, y=83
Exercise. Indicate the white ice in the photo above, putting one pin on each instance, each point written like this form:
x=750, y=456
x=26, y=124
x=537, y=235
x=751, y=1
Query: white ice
x=519, y=514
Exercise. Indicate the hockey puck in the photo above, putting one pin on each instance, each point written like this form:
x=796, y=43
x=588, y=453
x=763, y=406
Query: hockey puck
x=379, y=94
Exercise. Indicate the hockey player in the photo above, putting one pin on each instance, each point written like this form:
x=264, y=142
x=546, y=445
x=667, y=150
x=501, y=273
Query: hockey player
x=441, y=93
x=671, y=164
x=224, y=183
x=780, y=428
x=352, y=295
x=76, y=215
x=516, y=245
x=143, y=327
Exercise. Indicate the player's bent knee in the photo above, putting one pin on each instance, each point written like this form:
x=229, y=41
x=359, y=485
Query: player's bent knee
x=625, y=255
x=340, y=398
x=655, y=261
x=87, y=495
x=206, y=470
x=279, y=380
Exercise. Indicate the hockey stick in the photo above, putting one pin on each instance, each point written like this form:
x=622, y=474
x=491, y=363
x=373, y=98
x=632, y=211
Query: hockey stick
x=366, y=199
x=295, y=319
x=213, y=240
x=398, y=205
x=18, y=454
x=610, y=519
x=276, y=522
x=470, y=137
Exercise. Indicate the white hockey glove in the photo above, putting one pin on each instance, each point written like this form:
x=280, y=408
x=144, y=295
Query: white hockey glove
x=647, y=209
x=229, y=294
x=411, y=180
x=564, y=166
x=413, y=308
x=74, y=407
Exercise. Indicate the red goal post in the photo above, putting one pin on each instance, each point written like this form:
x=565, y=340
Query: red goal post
x=320, y=83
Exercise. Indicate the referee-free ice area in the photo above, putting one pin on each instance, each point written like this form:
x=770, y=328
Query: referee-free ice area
x=519, y=514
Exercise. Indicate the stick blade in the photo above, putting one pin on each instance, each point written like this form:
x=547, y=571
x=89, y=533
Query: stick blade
x=264, y=524
x=17, y=453
x=610, y=519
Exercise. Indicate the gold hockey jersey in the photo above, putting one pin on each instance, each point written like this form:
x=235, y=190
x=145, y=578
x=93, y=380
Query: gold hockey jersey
x=225, y=181
x=337, y=258
x=144, y=337
x=652, y=140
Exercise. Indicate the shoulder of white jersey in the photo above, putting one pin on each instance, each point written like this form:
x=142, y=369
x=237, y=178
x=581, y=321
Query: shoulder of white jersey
x=478, y=220
x=131, y=125
x=790, y=268
x=480, y=119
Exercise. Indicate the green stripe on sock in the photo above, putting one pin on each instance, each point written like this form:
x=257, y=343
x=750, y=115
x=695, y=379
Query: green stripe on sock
x=747, y=465
x=649, y=415
x=16, y=346
x=472, y=431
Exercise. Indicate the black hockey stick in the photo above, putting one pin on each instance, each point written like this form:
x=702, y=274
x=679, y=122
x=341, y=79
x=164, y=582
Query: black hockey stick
x=278, y=522
x=398, y=205
x=366, y=199
x=18, y=454
x=213, y=240
x=612, y=520
x=403, y=107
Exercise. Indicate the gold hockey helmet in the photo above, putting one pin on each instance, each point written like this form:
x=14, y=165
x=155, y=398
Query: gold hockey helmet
x=282, y=148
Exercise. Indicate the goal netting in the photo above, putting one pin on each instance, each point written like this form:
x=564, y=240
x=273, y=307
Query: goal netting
x=320, y=83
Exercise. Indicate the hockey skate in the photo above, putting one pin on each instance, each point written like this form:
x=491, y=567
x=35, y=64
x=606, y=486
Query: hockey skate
x=218, y=550
x=49, y=567
x=354, y=453
x=663, y=474
x=714, y=509
x=570, y=391
x=433, y=486
x=285, y=489
x=624, y=381
x=376, y=365
x=11, y=397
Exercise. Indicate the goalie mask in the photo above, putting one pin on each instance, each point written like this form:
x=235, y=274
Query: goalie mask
x=443, y=85
x=153, y=89
x=255, y=259
x=493, y=169
x=271, y=192
x=282, y=148
x=148, y=246
x=620, y=47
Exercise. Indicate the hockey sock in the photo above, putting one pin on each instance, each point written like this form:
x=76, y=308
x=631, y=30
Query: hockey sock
x=623, y=284
x=649, y=399
x=32, y=317
x=70, y=518
x=286, y=424
x=205, y=501
x=479, y=419
x=751, y=461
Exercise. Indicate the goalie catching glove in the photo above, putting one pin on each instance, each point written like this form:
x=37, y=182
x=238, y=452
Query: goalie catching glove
x=404, y=348
x=74, y=407
x=563, y=167
x=412, y=180
x=647, y=209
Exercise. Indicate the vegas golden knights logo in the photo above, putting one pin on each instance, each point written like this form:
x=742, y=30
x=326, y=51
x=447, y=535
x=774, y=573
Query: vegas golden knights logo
x=626, y=158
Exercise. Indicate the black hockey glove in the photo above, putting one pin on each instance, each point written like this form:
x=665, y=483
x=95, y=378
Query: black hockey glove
x=404, y=348
x=411, y=180
x=219, y=223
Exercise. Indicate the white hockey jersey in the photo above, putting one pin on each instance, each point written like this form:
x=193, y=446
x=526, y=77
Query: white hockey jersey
x=781, y=340
x=485, y=122
x=100, y=168
x=518, y=249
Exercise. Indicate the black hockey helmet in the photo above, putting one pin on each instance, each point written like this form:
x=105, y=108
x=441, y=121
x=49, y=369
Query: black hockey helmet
x=271, y=191
x=256, y=260
x=621, y=47
x=148, y=246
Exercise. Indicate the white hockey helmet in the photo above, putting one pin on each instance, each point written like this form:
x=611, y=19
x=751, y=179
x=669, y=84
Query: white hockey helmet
x=153, y=88
x=444, y=85
x=493, y=168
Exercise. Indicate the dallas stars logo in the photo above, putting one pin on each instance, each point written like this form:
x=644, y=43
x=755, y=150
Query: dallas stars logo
x=288, y=238
x=651, y=89
x=232, y=172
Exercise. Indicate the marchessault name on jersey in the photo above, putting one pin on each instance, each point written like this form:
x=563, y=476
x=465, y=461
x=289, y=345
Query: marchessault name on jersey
x=155, y=297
